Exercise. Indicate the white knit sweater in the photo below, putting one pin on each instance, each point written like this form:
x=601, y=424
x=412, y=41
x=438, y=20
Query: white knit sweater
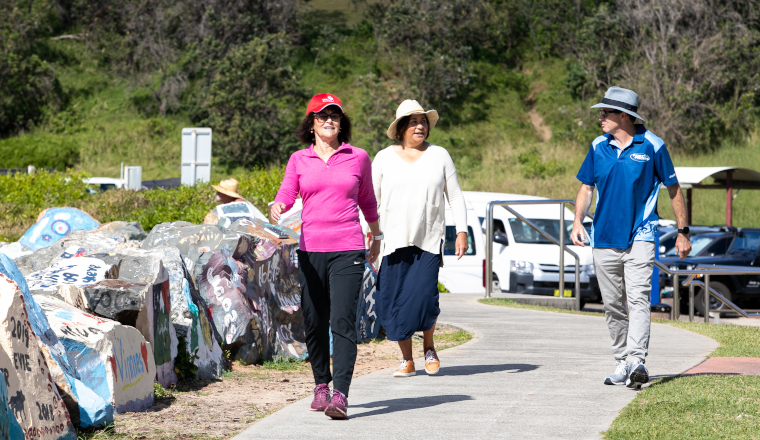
x=410, y=199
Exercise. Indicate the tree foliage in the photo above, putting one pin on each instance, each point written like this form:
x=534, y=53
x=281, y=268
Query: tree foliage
x=254, y=101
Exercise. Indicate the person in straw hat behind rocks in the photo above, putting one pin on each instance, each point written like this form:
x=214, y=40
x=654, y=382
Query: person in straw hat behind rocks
x=626, y=165
x=227, y=192
x=335, y=182
x=410, y=179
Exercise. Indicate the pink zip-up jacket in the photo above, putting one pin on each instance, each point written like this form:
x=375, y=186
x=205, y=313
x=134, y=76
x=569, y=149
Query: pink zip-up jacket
x=332, y=194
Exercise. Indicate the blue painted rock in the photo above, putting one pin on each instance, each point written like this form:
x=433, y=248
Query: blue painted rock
x=85, y=407
x=32, y=395
x=114, y=360
x=78, y=272
x=55, y=223
x=76, y=244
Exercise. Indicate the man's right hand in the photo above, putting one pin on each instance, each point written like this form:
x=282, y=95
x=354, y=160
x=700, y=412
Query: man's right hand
x=275, y=211
x=578, y=235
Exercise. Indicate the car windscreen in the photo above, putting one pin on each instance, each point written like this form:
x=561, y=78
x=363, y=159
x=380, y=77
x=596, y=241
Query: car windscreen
x=746, y=241
x=698, y=243
x=450, y=243
x=525, y=234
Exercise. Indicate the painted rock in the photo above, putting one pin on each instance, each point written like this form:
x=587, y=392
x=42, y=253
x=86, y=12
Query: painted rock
x=122, y=231
x=140, y=298
x=9, y=427
x=273, y=290
x=78, y=272
x=188, y=315
x=76, y=244
x=85, y=407
x=55, y=223
x=222, y=287
x=114, y=360
x=32, y=395
x=367, y=326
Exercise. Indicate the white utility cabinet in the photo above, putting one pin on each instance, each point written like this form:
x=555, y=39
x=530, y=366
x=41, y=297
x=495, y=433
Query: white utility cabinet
x=196, y=155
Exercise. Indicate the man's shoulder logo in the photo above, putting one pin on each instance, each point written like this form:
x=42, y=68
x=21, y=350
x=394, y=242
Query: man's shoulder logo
x=639, y=157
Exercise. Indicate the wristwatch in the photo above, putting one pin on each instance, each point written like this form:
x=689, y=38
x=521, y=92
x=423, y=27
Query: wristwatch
x=378, y=237
x=684, y=230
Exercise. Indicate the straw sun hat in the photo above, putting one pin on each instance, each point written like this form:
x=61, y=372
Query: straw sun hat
x=412, y=107
x=228, y=187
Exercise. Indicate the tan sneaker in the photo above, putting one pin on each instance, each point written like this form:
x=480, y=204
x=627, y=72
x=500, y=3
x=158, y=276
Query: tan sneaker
x=432, y=364
x=406, y=369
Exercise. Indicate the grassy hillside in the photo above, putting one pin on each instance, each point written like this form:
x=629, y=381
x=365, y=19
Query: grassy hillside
x=518, y=130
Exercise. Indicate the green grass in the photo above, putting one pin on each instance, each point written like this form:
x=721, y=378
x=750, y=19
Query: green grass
x=690, y=407
x=449, y=340
x=289, y=364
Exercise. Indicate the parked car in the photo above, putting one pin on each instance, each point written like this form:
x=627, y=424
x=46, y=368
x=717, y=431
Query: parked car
x=101, y=184
x=524, y=261
x=668, y=235
x=464, y=275
x=743, y=290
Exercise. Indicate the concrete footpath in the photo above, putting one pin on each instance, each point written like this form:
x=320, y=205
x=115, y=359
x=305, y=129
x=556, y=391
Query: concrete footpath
x=526, y=374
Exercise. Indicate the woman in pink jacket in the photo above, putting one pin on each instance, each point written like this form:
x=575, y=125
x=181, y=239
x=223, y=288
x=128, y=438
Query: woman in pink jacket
x=335, y=181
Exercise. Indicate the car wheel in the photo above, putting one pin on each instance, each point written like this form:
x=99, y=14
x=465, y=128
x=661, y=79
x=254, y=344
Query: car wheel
x=716, y=305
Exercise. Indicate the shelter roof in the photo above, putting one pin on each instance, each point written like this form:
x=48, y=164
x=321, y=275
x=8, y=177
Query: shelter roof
x=692, y=177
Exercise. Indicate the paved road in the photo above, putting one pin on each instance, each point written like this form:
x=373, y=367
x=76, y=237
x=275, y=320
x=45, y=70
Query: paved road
x=526, y=374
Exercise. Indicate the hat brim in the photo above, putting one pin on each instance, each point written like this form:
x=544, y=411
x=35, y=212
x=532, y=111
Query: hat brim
x=634, y=114
x=227, y=192
x=325, y=106
x=431, y=115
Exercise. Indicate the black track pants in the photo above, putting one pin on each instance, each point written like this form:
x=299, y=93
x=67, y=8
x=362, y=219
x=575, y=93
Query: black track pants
x=330, y=284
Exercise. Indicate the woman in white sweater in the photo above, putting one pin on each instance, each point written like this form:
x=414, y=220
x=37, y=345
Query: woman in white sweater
x=410, y=179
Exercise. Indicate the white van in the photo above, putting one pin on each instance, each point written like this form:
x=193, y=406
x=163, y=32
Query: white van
x=464, y=275
x=525, y=261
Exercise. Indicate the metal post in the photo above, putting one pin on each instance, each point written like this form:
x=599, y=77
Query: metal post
x=194, y=137
x=707, y=298
x=676, y=298
x=729, y=196
x=561, y=250
x=691, y=302
x=577, y=285
x=489, y=251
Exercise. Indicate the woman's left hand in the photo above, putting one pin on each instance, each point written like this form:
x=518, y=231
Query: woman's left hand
x=374, y=251
x=461, y=245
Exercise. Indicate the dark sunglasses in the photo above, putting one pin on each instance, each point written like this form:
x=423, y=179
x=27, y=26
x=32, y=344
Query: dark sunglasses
x=322, y=116
x=604, y=113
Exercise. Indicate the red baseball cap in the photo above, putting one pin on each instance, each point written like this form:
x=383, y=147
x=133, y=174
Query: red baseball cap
x=319, y=102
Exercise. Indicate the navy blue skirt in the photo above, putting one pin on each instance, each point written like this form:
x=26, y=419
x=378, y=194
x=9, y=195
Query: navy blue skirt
x=407, y=292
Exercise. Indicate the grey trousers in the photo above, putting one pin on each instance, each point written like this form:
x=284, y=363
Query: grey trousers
x=625, y=279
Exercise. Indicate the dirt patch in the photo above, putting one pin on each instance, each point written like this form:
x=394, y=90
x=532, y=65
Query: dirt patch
x=248, y=393
x=538, y=123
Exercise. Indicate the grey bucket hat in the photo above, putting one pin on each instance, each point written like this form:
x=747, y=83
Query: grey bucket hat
x=621, y=99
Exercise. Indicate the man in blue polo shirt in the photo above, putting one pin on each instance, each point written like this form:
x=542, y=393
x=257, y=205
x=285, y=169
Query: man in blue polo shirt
x=626, y=164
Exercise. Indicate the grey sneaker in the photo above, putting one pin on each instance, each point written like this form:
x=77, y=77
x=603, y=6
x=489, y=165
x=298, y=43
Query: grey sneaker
x=638, y=376
x=619, y=376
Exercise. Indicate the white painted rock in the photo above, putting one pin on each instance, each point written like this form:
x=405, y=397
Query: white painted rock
x=112, y=359
x=32, y=395
x=140, y=298
x=85, y=407
x=78, y=272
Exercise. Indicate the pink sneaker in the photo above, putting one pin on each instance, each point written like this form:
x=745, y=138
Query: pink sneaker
x=321, y=397
x=338, y=408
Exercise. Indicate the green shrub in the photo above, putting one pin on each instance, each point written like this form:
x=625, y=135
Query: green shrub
x=24, y=196
x=42, y=151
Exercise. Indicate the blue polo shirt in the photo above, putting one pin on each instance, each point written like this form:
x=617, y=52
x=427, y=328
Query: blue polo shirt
x=627, y=182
